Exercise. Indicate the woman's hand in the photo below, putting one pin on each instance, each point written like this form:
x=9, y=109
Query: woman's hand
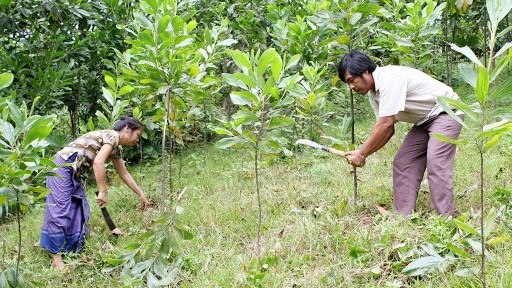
x=143, y=202
x=101, y=199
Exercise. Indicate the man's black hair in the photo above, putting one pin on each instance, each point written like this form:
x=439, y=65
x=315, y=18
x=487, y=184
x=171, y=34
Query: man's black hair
x=356, y=63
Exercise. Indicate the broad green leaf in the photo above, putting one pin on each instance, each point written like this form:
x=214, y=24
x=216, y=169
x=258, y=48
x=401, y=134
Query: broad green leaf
x=277, y=67
x=497, y=10
x=280, y=121
x=498, y=240
x=465, y=227
x=16, y=115
x=234, y=81
x=140, y=267
x=458, y=251
x=489, y=222
x=125, y=89
x=222, y=131
x=228, y=142
x=107, y=94
x=243, y=98
x=447, y=103
x=265, y=60
x=246, y=79
x=114, y=262
x=423, y=265
x=241, y=60
x=503, y=49
x=293, y=61
x=492, y=142
x=163, y=23
x=496, y=131
x=227, y=42
x=468, y=53
x=143, y=20
x=110, y=82
x=503, y=90
x=191, y=26
x=6, y=80
x=482, y=85
x=449, y=140
x=7, y=132
x=39, y=130
x=354, y=18
x=103, y=122
x=468, y=74
x=244, y=117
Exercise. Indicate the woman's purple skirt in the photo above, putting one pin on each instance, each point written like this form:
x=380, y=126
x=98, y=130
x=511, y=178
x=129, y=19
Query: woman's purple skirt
x=67, y=212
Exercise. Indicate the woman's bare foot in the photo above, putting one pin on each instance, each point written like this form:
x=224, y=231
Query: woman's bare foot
x=57, y=263
x=116, y=232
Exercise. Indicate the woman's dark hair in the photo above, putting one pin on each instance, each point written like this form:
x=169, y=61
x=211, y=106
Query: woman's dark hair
x=356, y=63
x=129, y=122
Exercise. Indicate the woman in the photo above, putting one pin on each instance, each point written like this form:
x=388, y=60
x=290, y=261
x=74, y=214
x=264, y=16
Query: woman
x=67, y=210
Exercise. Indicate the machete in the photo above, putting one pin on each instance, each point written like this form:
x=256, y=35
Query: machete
x=320, y=146
x=107, y=217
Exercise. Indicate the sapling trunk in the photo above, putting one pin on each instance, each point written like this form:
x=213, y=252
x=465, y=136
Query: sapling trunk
x=353, y=140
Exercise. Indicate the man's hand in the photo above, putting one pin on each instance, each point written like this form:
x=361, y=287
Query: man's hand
x=355, y=158
x=101, y=199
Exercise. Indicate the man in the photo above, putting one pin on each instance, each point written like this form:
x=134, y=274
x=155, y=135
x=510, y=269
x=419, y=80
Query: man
x=399, y=93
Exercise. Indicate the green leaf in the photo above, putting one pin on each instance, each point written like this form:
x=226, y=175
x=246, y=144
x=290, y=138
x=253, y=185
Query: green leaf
x=277, y=67
x=492, y=142
x=497, y=10
x=163, y=23
x=228, y=142
x=468, y=74
x=16, y=115
x=39, y=130
x=458, y=251
x=246, y=79
x=489, y=222
x=446, y=139
x=107, y=94
x=7, y=132
x=447, y=103
x=222, y=131
x=280, y=121
x=234, y=81
x=356, y=252
x=503, y=89
x=241, y=60
x=468, y=53
x=114, y=262
x=265, y=60
x=423, y=265
x=503, y=49
x=110, y=82
x=293, y=61
x=496, y=131
x=482, y=85
x=465, y=227
x=143, y=20
x=125, y=89
x=6, y=80
x=243, y=98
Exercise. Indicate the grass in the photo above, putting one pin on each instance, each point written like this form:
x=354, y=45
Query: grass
x=313, y=234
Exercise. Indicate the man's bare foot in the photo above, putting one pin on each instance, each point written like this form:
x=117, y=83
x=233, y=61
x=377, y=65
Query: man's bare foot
x=117, y=232
x=57, y=263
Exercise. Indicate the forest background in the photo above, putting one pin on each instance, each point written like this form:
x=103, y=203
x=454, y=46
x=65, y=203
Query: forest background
x=252, y=77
